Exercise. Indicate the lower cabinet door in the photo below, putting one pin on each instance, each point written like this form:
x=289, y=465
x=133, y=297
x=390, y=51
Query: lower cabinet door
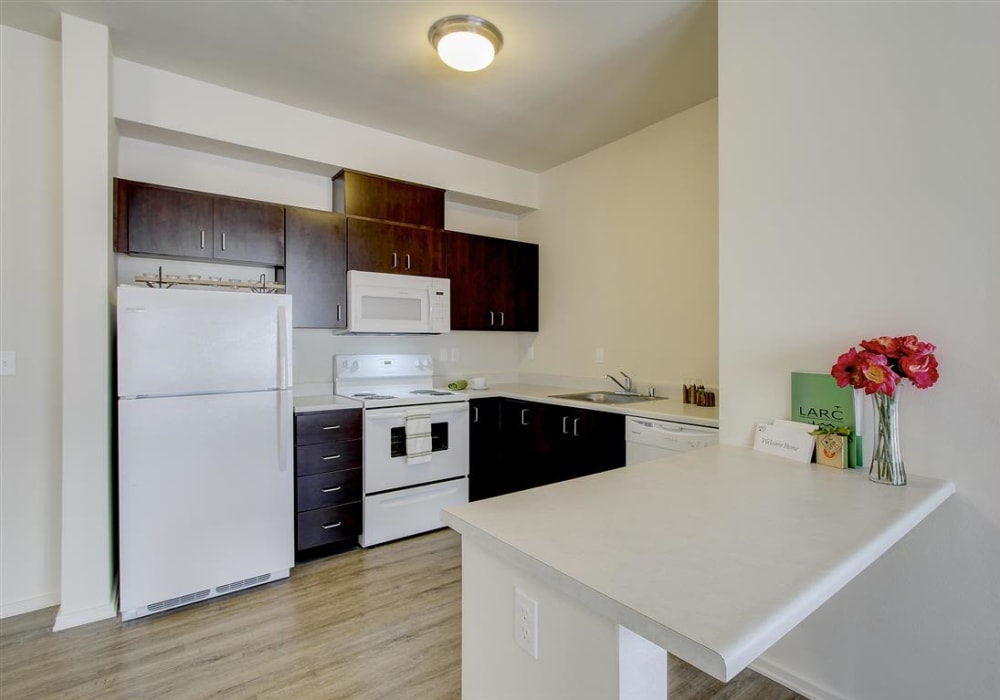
x=326, y=525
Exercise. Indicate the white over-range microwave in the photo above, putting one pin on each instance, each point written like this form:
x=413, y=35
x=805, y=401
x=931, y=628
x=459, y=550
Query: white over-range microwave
x=386, y=303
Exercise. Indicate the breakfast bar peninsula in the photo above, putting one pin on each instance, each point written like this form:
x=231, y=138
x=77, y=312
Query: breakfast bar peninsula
x=712, y=555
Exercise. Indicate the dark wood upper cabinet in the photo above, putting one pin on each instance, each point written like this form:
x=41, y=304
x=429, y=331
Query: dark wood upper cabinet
x=154, y=220
x=157, y=220
x=316, y=267
x=377, y=246
x=384, y=199
x=494, y=283
x=252, y=232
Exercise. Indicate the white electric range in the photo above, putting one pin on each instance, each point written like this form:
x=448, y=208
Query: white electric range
x=405, y=490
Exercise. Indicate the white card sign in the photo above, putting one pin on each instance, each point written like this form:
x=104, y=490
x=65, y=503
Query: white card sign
x=782, y=441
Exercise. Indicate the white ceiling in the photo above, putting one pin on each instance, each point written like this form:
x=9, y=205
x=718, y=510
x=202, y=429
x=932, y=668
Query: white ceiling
x=572, y=75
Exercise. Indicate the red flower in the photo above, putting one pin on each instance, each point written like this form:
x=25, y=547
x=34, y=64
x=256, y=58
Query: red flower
x=877, y=375
x=910, y=345
x=884, y=361
x=884, y=345
x=920, y=369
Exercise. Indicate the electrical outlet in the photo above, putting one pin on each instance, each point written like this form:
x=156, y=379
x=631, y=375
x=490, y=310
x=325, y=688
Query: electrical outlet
x=8, y=362
x=599, y=356
x=531, y=352
x=526, y=622
x=454, y=354
x=443, y=354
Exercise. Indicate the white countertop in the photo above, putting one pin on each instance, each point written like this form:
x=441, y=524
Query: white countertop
x=322, y=402
x=662, y=409
x=713, y=554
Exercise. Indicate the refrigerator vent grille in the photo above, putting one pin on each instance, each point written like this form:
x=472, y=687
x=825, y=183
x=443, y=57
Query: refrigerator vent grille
x=245, y=583
x=176, y=602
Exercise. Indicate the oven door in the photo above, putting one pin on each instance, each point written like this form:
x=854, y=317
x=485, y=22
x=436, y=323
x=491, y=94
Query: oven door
x=386, y=466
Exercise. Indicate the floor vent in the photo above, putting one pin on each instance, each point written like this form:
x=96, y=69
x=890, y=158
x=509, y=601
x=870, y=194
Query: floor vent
x=245, y=583
x=175, y=602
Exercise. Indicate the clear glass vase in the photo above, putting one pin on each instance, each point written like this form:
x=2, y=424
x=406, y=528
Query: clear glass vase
x=887, y=460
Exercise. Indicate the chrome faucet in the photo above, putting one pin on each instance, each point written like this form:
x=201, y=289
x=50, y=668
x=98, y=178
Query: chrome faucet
x=627, y=386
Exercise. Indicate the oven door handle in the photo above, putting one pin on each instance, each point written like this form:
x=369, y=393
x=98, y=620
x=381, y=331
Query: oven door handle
x=380, y=415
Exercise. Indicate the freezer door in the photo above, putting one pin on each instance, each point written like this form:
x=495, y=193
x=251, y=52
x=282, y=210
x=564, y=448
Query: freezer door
x=205, y=492
x=186, y=341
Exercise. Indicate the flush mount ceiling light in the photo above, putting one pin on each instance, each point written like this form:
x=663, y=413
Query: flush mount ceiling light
x=465, y=42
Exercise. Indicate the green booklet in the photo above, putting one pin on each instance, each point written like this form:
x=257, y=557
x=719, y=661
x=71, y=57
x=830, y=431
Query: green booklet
x=817, y=399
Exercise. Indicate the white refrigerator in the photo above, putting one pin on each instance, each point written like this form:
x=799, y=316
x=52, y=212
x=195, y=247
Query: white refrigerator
x=205, y=446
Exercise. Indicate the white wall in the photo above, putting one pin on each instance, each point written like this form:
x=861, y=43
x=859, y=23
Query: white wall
x=629, y=250
x=87, y=570
x=156, y=99
x=859, y=195
x=30, y=261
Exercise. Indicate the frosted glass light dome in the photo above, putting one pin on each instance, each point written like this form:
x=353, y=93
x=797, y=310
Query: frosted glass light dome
x=465, y=42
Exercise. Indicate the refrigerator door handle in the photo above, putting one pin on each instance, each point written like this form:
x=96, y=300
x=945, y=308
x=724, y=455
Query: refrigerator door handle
x=283, y=348
x=284, y=429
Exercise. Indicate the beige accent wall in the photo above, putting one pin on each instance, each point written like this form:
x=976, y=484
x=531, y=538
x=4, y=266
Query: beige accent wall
x=628, y=239
x=859, y=196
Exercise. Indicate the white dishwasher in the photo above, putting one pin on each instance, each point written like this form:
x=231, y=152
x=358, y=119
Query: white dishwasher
x=646, y=438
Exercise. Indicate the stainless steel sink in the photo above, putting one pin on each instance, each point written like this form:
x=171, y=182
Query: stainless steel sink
x=607, y=397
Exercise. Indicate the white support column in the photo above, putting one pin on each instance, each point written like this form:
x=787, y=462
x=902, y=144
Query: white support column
x=87, y=566
x=642, y=667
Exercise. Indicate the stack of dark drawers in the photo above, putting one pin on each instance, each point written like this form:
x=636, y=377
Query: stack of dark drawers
x=328, y=486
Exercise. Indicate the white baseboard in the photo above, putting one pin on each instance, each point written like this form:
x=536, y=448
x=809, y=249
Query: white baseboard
x=793, y=681
x=38, y=602
x=66, y=620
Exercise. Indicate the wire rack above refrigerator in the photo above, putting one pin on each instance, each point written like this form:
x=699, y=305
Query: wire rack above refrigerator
x=260, y=286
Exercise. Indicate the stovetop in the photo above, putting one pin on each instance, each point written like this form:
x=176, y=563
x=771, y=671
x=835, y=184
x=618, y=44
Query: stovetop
x=389, y=380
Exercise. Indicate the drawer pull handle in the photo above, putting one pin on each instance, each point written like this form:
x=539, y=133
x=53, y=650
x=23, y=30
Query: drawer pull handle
x=329, y=457
x=331, y=427
x=331, y=525
x=335, y=488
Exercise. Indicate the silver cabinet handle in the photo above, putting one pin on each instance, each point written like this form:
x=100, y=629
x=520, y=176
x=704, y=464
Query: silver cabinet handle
x=501, y=318
x=331, y=427
x=203, y=239
x=223, y=240
x=565, y=429
x=331, y=525
x=407, y=258
x=491, y=318
x=395, y=260
x=338, y=312
x=475, y=414
x=328, y=458
x=576, y=426
x=331, y=490
x=524, y=414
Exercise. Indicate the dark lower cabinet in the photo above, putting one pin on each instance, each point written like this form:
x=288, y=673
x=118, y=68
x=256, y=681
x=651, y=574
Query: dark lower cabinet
x=516, y=445
x=485, y=479
x=328, y=480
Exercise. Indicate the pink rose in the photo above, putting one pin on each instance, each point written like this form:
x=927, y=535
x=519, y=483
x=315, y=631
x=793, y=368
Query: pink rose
x=846, y=370
x=920, y=369
x=911, y=345
x=878, y=376
x=884, y=345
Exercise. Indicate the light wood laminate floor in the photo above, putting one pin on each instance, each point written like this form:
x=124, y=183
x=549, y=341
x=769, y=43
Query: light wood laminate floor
x=366, y=624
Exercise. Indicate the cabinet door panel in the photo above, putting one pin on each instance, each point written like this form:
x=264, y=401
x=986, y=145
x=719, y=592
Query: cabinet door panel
x=376, y=246
x=484, y=449
x=317, y=427
x=391, y=200
x=494, y=283
x=316, y=267
x=252, y=232
x=165, y=221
